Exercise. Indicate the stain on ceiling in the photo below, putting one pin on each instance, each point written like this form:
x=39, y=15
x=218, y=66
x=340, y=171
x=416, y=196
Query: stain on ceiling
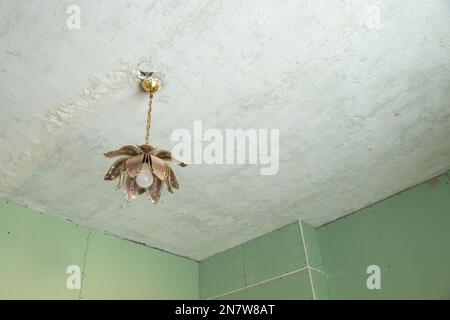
x=360, y=94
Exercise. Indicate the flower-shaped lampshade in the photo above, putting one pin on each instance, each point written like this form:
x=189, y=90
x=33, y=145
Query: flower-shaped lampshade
x=142, y=169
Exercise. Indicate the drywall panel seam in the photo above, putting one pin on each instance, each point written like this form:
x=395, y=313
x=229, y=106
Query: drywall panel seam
x=317, y=270
x=304, y=243
x=312, y=284
x=326, y=275
x=83, y=274
x=307, y=261
x=259, y=283
x=243, y=266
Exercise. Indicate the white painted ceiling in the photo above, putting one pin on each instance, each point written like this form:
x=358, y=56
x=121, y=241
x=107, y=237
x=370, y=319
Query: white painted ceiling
x=363, y=109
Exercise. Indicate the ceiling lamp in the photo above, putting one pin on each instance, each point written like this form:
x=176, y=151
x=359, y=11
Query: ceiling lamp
x=143, y=168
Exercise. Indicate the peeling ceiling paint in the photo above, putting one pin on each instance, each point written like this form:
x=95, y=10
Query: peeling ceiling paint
x=360, y=93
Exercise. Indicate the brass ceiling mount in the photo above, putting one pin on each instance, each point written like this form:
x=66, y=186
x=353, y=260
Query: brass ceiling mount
x=149, y=82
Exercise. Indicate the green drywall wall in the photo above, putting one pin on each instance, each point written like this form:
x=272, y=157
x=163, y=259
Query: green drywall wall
x=222, y=273
x=407, y=236
x=273, y=254
x=36, y=249
x=273, y=266
x=319, y=284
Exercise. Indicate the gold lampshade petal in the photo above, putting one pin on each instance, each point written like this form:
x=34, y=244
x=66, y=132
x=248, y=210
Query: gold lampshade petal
x=147, y=148
x=128, y=150
x=134, y=165
x=158, y=167
x=130, y=188
x=163, y=154
x=116, y=169
x=154, y=191
x=172, y=178
x=120, y=180
x=167, y=156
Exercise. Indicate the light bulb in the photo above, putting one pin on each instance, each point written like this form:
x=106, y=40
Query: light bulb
x=144, y=178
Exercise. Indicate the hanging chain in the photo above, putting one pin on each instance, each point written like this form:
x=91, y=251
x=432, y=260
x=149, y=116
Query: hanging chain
x=150, y=85
x=149, y=118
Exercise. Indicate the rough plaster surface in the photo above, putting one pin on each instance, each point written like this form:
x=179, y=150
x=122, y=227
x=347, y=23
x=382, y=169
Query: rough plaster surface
x=363, y=109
